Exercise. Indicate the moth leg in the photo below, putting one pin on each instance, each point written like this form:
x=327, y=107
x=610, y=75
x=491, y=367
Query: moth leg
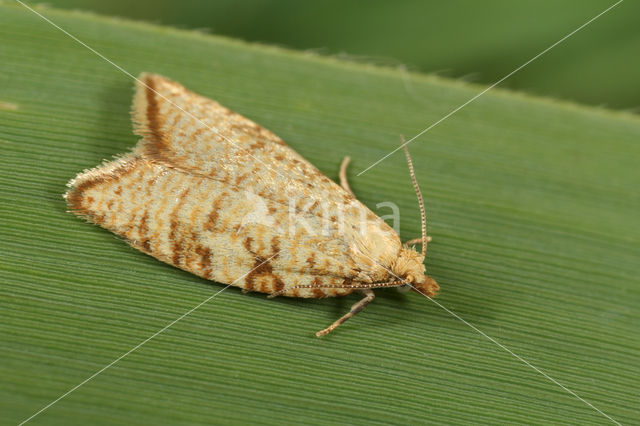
x=416, y=241
x=357, y=307
x=343, y=175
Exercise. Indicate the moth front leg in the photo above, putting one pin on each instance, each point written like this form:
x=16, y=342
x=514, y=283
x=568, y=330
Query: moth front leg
x=416, y=241
x=357, y=307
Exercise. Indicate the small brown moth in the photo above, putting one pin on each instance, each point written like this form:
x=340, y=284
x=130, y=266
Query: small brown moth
x=215, y=194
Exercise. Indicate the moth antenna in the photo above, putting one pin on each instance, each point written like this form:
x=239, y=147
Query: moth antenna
x=419, y=195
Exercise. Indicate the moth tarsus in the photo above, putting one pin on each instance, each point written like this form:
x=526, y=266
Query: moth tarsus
x=211, y=192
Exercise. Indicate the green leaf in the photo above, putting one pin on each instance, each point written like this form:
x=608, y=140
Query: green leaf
x=532, y=205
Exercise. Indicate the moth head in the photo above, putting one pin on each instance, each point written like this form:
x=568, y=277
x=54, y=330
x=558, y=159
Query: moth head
x=410, y=268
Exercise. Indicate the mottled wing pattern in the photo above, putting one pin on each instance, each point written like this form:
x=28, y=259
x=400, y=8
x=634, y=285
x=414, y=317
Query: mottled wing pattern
x=195, y=134
x=187, y=193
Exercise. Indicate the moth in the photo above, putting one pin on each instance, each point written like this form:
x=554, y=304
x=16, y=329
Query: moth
x=213, y=193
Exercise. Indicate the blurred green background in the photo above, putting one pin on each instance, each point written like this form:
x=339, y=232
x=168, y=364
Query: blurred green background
x=476, y=41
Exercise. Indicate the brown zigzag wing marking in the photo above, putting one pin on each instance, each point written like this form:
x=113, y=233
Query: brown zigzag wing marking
x=184, y=193
x=196, y=135
x=178, y=231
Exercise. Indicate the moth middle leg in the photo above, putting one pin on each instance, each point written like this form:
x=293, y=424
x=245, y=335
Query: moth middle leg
x=357, y=307
x=343, y=175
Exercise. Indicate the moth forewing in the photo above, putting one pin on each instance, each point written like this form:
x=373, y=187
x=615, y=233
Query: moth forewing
x=209, y=191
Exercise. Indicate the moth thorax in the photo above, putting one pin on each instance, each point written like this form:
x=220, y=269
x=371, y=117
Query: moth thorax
x=410, y=267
